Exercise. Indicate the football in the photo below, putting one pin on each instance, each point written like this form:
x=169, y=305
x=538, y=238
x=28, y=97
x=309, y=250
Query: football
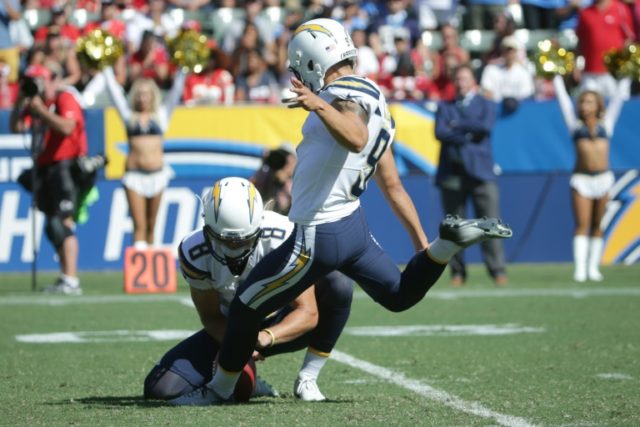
x=246, y=383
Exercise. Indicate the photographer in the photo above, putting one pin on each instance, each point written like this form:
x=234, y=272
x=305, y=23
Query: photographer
x=273, y=179
x=53, y=115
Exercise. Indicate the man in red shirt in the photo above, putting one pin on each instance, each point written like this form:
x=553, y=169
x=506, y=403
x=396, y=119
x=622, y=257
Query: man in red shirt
x=54, y=116
x=605, y=25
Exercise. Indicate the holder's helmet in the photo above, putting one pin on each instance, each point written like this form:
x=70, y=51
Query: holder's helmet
x=233, y=213
x=316, y=46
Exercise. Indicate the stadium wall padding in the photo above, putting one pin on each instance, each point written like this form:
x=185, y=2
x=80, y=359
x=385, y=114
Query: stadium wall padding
x=532, y=148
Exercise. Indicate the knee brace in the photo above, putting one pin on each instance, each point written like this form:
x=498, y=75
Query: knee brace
x=57, y=231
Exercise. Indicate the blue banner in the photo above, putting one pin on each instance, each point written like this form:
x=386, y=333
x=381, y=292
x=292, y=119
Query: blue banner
x=532, y=147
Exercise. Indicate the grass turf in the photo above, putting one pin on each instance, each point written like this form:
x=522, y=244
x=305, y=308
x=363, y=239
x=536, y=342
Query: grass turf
x=581, y=366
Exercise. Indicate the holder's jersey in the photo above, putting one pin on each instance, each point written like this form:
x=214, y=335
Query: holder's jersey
x=202, y=271
x=328, y=178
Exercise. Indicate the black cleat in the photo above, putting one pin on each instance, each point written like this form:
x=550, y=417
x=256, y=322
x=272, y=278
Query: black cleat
x=466, y=232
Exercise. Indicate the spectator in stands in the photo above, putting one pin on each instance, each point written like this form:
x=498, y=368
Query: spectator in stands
x=466, y=168
x=8, y=91
x=503, y=26
x=60, y=51
x=150, y=61
x=540, y=14
x=257, y=84
x=60, y=21
x=397, y=14
x=442, y=88
x=110, y=20
x=508, y=81
x=316, y=9
x=254, y=26
x=9, y=51
x=399, y=79
x=591, y=179
x=146, y=120
x=156, y=20
x=451, y=45
x=482, y=13
x=367, y=63
x=162, y=24
x=91, y=6
x=605, y=25
x=249, y=41
x=351, y=16
x=214, y=85
x=568, y=11
x=436, y=13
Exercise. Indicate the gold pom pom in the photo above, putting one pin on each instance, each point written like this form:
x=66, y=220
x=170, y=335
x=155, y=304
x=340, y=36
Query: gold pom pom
x=189, y=50
x=624, y=62
x=99, y=49
x=551, y=59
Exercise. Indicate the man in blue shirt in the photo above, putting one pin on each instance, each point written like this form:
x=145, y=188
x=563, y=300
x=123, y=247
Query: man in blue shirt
x=466, y=168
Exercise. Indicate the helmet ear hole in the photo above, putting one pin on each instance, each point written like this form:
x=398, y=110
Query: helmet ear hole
x=310, y=65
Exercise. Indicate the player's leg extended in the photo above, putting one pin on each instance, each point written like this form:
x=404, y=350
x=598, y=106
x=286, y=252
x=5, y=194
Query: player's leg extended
x=182, y=369
x=377, y=273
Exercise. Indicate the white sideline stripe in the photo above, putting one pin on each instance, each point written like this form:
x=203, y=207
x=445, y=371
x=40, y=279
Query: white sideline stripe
x=88, y=299
x=39, y=299
x=439, y=396
x=521, y=293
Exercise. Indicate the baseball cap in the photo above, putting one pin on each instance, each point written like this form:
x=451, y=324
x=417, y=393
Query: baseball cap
x=38, y=72
x=510, y=42
x=57, y=9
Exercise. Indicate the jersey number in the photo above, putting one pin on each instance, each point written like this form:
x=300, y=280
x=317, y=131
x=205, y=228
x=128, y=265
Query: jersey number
x=380, y=146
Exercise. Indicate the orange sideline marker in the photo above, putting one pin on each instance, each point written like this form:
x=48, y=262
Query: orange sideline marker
x=149, y=271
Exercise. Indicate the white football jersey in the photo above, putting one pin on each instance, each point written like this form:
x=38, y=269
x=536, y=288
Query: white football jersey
x=202, y=271
x=329, y=179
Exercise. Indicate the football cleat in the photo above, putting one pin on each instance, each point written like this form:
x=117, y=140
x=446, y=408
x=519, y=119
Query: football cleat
x=306, y=389
x=264, y=389
x=62, y=288
x=466, y=232
x=202, y=396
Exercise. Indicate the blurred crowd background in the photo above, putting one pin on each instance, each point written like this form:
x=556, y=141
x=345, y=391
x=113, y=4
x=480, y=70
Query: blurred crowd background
x=408, y=46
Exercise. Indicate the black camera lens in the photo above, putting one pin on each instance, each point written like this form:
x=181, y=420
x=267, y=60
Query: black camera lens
x=30, y=87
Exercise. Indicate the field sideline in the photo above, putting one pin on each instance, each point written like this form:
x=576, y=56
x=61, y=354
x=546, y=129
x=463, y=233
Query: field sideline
x=542, y=351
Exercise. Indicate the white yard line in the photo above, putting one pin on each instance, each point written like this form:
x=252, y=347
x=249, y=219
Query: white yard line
x=439, y=396
x=40, y=299
x=521, y=293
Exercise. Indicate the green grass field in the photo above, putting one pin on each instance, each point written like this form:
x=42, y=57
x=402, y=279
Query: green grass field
x=542, y=351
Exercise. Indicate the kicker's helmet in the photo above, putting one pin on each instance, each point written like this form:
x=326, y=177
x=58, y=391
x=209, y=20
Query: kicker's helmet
x=316, y=46
x=233, y=213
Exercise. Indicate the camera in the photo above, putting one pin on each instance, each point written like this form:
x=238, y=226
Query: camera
x=90, y=164
x=31, y=87
x=276, y=159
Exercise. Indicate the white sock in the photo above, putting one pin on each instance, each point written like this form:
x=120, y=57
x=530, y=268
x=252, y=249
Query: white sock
x=443, y=250
x=224, y=382
x=580, y=253
x=595, y=253
x=71, y=281
x=313, y=363
x=140, y=244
